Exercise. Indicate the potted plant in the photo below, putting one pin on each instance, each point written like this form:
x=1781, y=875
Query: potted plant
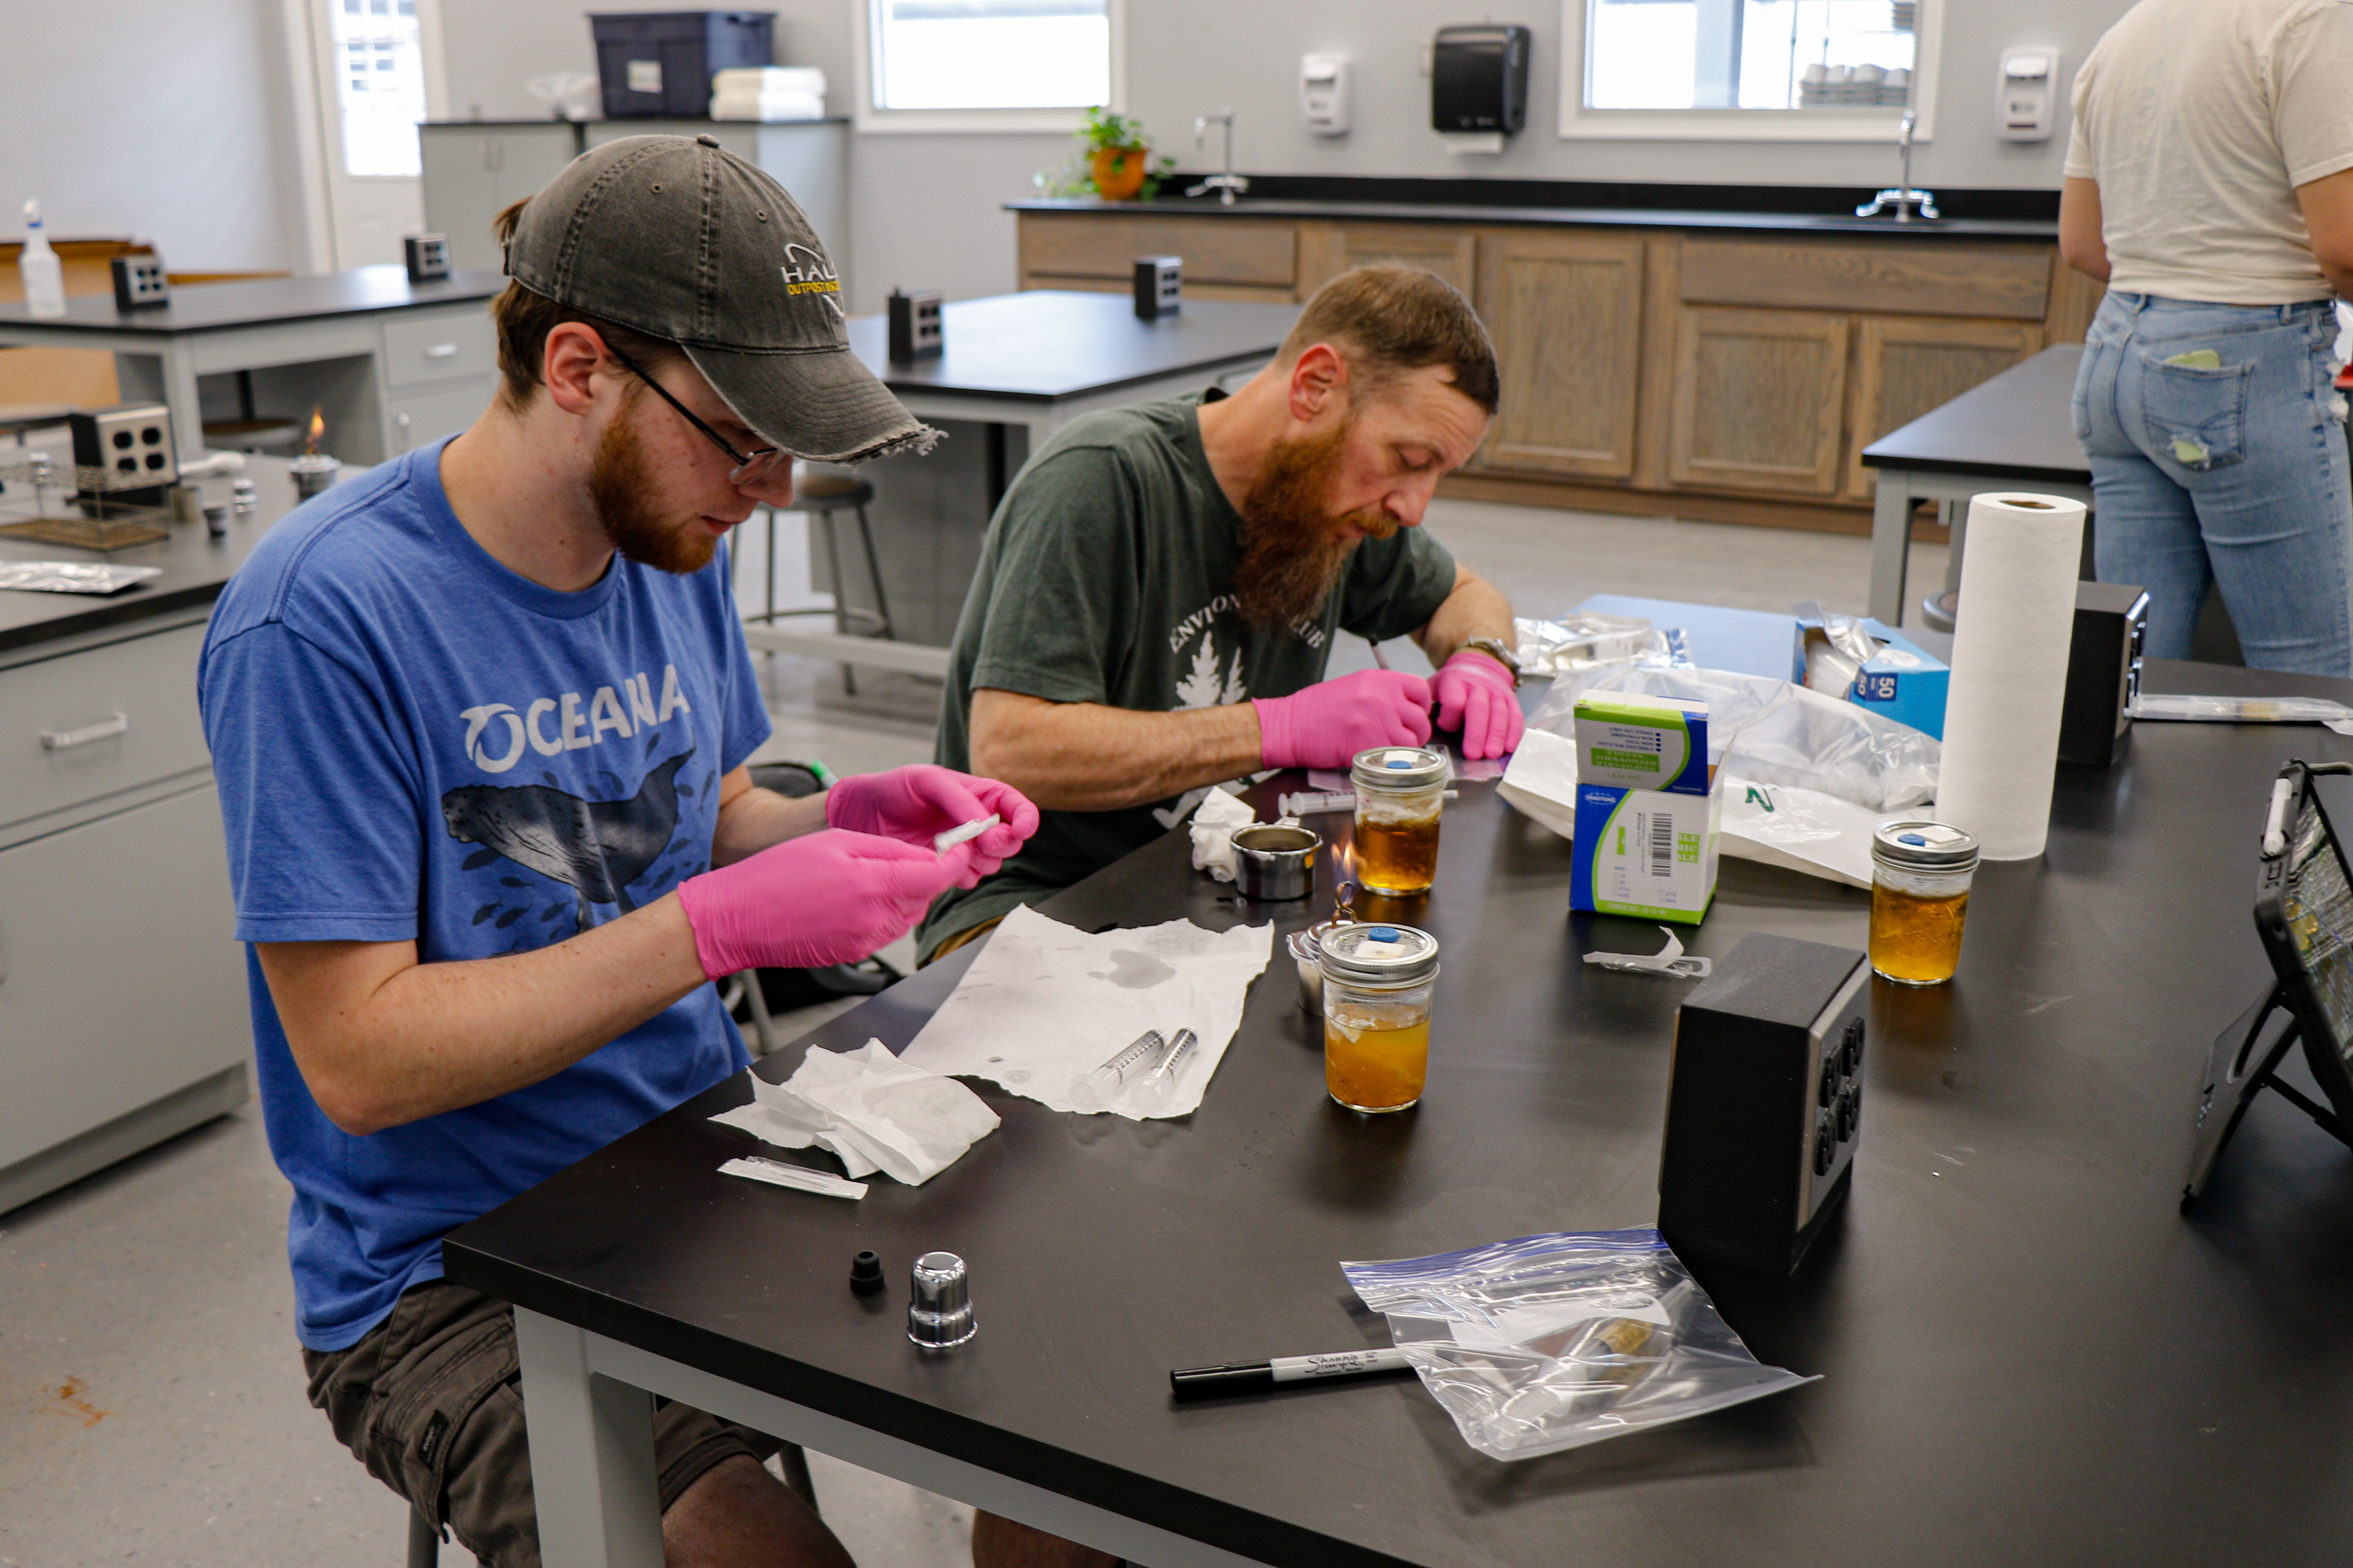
x=1119, y=160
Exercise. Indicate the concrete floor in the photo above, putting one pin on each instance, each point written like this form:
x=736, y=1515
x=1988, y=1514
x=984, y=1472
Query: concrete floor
x=152, y=1403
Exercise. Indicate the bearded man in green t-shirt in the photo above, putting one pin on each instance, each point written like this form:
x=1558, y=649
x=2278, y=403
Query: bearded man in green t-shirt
x=1158, y=591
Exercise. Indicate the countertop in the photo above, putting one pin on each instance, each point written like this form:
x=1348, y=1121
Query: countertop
x=196, y=568
x=1806, y=209
x=213, y=306
x=2015, y=427
x=1045, y=344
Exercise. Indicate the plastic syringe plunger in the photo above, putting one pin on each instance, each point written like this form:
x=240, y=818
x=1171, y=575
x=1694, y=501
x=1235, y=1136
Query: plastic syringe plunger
x=1159, y=1085
x=1096, y=1091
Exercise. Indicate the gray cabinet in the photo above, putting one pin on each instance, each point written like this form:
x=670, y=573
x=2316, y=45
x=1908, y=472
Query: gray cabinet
x=474, y=170
x=122, y=1000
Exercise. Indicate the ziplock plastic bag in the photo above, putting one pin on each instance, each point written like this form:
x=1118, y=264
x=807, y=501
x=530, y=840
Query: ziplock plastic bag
x=1554, y=1342
x=1780, y=733
x=1578, y=640
x=2244, y=710
x=1801, y=830
x=1837, y=648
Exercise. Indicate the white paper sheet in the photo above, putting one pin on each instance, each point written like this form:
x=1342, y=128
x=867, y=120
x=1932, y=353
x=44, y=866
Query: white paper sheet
x=1046, y=1004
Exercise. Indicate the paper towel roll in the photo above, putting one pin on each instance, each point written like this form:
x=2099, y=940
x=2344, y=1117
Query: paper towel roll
x=2009, y=669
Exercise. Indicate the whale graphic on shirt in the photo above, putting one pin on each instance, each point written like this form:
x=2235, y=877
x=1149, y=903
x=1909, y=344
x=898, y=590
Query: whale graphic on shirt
x=595, y=847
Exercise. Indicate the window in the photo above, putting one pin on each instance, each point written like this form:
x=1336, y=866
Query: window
x=1014, y=64
x=1777, y=70
x=379, y=85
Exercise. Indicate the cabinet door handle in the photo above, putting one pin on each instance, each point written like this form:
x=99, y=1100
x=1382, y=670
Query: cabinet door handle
x=64, y=740
x=440, y=351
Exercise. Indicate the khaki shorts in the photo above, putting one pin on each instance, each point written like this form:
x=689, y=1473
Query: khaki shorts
x=431, y=1401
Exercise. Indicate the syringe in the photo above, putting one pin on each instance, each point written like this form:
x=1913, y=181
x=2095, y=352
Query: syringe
x=1096, y=1091
x=1159, y=1085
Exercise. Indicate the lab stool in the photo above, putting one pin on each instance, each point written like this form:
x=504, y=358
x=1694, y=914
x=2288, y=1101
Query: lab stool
x=825, y=496
x=424, y=1543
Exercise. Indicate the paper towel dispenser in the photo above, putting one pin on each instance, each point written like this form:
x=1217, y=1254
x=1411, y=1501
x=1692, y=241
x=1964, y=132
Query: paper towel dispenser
x=1479, y=79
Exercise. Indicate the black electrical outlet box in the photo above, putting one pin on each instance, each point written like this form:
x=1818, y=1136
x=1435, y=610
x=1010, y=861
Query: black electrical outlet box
x=428, y=257
x=658, y=65
x=1764, y=1103
x=1159, y=286
x=140, y=283
x=2103, y=671
x=916, y=329
x=1479, y=79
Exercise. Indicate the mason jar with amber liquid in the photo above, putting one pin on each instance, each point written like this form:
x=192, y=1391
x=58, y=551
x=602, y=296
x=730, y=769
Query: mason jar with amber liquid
x=1401, y=794
x=1377, y=984
x=1920, y=876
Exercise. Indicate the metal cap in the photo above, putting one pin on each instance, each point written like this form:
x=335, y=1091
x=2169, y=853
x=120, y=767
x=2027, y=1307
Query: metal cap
x=939, y=1304
x=1399, y=768
x=1924, y=847
x=1377, y=955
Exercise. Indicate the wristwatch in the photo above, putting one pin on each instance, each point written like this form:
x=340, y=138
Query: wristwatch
x=1493, y=649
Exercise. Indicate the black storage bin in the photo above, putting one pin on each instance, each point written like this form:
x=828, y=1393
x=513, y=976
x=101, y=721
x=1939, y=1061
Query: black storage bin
x=658, y=65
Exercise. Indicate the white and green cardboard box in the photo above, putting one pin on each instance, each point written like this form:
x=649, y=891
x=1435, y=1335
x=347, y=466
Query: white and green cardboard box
x=1634, y=741
x=1646, y=852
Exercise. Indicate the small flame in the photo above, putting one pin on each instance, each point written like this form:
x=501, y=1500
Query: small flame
x=1343, y=891
x=318, y=428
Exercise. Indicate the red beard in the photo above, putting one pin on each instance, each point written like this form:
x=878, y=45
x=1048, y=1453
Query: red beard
x=1293, y=549
x=620, y=482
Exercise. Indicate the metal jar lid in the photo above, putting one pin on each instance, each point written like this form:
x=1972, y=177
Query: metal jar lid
x=1921, y=846
x=1377, y=955
x=1399, y=768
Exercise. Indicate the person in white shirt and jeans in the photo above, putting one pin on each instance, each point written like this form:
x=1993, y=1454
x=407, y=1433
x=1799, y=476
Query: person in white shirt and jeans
x=2210, y=184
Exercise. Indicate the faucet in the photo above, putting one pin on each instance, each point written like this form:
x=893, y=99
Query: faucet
x=1905, y=198
x=1228, y=185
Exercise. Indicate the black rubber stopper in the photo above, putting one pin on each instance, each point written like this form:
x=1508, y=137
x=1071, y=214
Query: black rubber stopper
x=866, y=1274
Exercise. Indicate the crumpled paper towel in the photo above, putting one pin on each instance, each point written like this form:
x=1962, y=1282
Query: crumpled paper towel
x=875, y=1111
x=1046, y=1004
x=1213, y=825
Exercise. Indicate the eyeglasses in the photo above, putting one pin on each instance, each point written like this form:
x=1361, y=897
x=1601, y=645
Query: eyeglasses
x=758, y=467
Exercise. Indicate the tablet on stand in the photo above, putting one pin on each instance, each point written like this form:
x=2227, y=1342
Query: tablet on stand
x=2304, y=912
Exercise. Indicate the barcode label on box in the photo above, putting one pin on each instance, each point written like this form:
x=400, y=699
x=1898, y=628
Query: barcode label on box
x=1663, y=844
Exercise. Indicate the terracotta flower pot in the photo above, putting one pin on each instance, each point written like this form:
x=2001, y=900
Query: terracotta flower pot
x=1119, y=172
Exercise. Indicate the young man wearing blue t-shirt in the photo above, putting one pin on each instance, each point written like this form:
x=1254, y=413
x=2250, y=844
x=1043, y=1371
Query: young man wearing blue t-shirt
x=481, y=719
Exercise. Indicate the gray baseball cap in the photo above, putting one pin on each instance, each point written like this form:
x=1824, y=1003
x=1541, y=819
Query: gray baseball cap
x=676, y=237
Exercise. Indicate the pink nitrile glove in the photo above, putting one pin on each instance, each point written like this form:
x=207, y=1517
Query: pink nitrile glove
x=821, y=899
x=915, y=805
x=1328, y=723
x=1474, y=696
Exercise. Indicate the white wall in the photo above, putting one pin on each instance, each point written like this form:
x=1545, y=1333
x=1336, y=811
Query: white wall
x=1188, y=57
x=927, y=209
x=160, y=120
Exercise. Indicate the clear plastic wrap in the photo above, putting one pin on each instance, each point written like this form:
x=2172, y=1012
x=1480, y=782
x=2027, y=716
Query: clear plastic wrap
x=1554, y=1342
x=2244, y=710
x=1777, y=733
x=1582, y=639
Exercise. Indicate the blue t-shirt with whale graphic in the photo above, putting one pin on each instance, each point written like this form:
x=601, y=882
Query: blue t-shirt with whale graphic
x=413, y=741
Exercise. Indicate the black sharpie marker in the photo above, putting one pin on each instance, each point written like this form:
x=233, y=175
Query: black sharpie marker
x=1242, y=1377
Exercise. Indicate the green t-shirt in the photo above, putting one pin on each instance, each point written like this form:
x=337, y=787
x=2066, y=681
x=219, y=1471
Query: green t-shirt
x=1107, y=577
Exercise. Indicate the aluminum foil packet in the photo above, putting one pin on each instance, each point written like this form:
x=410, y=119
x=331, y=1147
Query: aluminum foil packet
x=72, y=576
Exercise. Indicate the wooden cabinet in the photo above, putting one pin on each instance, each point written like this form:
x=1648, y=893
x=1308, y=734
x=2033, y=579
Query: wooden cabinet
x=1702, y=372
x=1759, y=399
x=1328, y=249
x=1569, y=306
x=1225, y=259
x=1906, y=365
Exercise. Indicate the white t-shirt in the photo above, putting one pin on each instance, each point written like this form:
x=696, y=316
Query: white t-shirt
x=2199, y=119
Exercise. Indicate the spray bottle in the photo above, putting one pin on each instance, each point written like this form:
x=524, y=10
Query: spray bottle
x=45, y=283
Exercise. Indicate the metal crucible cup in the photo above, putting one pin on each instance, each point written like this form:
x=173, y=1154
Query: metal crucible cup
x=1272, y=863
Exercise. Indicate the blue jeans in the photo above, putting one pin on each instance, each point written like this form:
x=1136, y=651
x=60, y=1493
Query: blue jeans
x=2233, y=471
